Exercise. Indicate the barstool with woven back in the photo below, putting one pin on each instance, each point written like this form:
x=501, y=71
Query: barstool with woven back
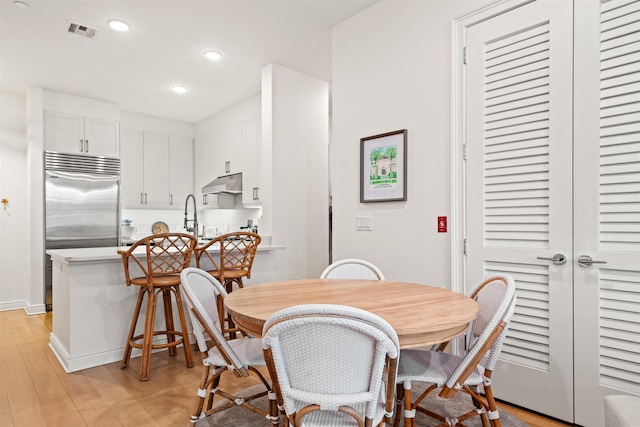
x=235, y=260
x=158, y=261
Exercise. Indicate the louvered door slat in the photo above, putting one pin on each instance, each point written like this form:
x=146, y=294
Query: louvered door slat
x=524, y=75
x=525, y=85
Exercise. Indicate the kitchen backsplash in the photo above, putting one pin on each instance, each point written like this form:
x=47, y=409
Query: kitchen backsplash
x=232, y=219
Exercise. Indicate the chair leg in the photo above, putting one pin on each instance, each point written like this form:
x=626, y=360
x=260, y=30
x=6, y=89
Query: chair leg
x=399, y=401
x=186, y=345
x=168, y=320
x=409, y=414
x=494, y=416
x=197, y=409
x=132, y=330
x=147, y=340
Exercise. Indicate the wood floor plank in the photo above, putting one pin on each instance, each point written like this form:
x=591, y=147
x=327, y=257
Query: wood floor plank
x=36, y=391
x=57, y=406
x=24, y=404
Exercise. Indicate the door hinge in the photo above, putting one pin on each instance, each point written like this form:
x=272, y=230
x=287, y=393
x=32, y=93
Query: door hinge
x=464, y=55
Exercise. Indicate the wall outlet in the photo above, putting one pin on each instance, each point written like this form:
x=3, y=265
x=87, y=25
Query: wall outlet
x=364, y=223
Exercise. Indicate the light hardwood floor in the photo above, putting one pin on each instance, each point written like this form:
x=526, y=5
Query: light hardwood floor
x=35, y=390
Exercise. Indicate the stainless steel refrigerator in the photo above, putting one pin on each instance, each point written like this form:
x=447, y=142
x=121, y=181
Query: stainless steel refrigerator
x=82, y=205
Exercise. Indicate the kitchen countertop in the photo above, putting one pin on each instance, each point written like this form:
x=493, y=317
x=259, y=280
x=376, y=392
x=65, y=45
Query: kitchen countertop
x=108, y=253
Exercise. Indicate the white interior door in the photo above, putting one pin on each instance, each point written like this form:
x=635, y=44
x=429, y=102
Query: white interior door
x=607, y=202
x=518, y=192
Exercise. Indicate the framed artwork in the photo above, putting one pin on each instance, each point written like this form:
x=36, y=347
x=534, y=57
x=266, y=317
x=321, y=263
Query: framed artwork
x=383, y=167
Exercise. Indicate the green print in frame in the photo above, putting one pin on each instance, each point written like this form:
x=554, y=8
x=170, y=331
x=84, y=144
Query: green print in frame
x=383, y=167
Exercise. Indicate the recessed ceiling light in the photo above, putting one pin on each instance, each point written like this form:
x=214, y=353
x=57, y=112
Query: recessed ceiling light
x=118, y=25
x=213, y=55
x=178, y=89
x=21, y=4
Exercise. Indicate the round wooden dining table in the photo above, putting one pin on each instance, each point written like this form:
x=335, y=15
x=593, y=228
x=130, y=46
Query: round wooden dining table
x=421, y=315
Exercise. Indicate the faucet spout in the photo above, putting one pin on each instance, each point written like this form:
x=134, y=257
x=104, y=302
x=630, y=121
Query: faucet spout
x=193, y=229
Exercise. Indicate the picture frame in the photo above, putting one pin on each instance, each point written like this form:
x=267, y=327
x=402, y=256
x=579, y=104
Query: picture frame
x=383, y=167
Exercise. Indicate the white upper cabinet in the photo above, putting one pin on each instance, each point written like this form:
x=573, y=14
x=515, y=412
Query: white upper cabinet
x=180, y=170
x=132, y=177
x=157, y=170
x=226, y=154
x=75, y=134
x=207, y=151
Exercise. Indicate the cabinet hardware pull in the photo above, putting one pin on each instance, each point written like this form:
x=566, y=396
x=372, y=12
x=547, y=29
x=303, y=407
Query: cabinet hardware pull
x=204, y=199
x=586, y=261
x=142, y=198
x=145, y=198
x=86, y=145
x=171, y=199
x=558, y=259
x=81, y=145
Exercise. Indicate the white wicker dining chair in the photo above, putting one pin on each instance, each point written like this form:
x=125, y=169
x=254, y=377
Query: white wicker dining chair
x=497, y=299
x=330, y=365
x=203, y=293
x=352, y=268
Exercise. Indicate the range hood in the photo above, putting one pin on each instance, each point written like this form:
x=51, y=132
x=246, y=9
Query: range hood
x=226, y=184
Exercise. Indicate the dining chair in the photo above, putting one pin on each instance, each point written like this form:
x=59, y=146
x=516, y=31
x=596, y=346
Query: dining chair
x=156, y=270
x=352, y=268
x=233, y=261
x=330, y=365
x=496, y=297
x=241, y=356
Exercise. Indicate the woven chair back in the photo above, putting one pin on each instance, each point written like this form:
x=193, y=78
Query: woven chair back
x=331, y=356
x=237, y=252
x=164, y=254
x=201, y=292
x=352, y=268
x=496, y=296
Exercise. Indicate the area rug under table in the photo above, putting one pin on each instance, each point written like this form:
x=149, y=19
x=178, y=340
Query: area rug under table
x=459, y=404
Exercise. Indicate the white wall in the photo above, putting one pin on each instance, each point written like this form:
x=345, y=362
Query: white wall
x=295, y=136
x=14, y=186
x=391, y=71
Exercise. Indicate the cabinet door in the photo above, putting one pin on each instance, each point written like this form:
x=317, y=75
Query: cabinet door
x=101, y=137
x=180, y=170
x=132, y=184
x=201, y=176
x=156, y=170
x=64, y=132
x=251, y=163
x=234, y=149
x=219, y=152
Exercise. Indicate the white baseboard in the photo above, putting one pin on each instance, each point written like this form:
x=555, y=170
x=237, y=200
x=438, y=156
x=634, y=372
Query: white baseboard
x=24, y=305
x=78, y=363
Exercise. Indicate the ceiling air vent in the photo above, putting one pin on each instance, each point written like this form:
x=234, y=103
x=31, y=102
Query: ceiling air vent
x=81, y=30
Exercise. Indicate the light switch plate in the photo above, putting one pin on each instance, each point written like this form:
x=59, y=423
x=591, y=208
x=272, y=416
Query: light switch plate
x=364, y=223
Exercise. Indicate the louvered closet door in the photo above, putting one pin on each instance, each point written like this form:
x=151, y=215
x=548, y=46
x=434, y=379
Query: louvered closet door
x=607, y=200
x=519, y=186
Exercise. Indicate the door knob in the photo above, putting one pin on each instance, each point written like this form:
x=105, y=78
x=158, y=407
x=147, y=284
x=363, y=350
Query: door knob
x=558, y=259
x=586, y=261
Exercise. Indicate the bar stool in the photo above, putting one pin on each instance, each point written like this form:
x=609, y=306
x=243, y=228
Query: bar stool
x=237, y=251
x=159, y=259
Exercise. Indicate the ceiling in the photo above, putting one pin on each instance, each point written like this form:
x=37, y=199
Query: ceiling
x=165, y=47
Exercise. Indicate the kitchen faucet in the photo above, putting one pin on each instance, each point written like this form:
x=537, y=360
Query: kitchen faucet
x=194, y=230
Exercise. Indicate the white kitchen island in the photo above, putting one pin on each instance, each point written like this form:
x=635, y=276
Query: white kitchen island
x=93, y=307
